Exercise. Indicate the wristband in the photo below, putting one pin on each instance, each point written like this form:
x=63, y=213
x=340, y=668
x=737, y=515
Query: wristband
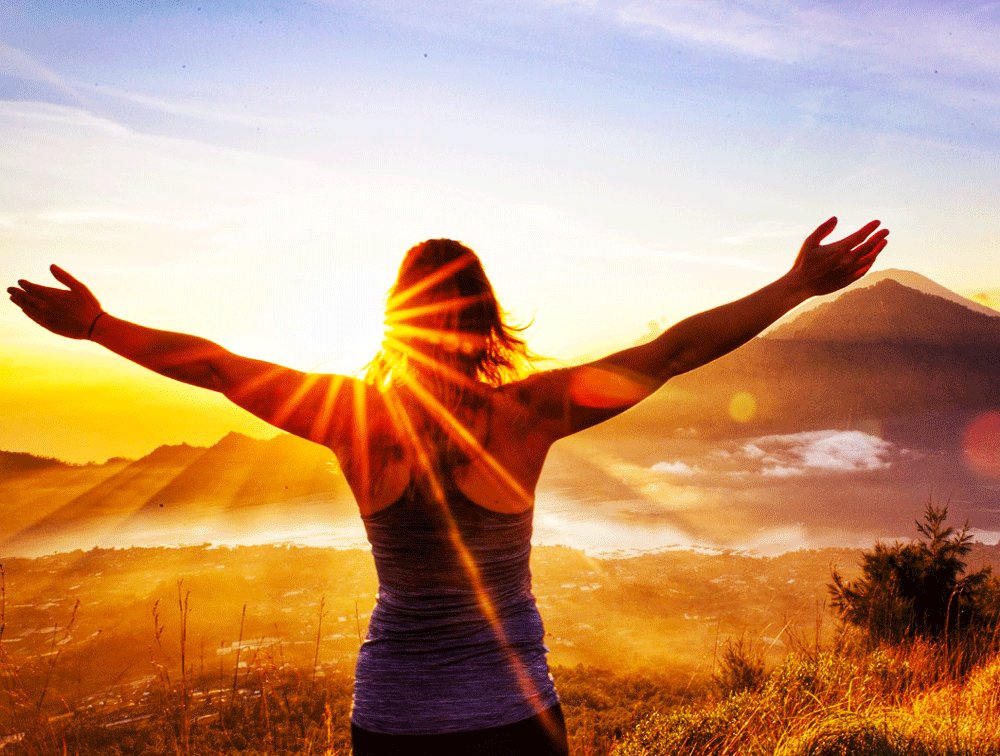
x=90, y=331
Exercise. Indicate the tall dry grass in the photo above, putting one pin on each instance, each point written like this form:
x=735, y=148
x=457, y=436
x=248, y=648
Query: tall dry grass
x=909, y=699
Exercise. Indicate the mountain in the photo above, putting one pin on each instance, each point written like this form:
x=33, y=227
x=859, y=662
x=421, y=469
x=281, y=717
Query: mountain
x=902, y=364
x=14, y=463
x=171, y=488
x=908, y=278
x=890, y=312
x=885, y=356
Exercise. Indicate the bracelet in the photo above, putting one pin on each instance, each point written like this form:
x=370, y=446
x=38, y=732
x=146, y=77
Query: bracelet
x=90, y=331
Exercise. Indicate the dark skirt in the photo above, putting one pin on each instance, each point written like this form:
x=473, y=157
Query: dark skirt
x=542, y=735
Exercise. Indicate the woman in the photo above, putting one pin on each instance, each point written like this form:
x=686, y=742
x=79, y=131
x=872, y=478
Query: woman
x=442, y=446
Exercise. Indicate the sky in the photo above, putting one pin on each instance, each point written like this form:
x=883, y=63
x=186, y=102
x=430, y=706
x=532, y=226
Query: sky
x=254, y=172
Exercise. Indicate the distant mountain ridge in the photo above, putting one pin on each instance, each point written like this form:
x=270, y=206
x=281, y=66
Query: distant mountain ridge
x=888, y=311
x=887, y=359
x=908, y=278
x=174, y=486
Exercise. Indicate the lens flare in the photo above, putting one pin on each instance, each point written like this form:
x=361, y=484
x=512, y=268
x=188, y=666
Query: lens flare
x=742, y=407
x=606, y=388
x=981, y=444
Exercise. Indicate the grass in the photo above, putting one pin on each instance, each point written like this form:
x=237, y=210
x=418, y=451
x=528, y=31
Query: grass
x=915, y=698
x=903, y=700
x=259, y=694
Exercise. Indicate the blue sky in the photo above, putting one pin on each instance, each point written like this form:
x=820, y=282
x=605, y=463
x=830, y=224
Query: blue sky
x=248, y=171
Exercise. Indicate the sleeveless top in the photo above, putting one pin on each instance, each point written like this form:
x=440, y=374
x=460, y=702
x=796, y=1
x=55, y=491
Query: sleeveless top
x=455, y=642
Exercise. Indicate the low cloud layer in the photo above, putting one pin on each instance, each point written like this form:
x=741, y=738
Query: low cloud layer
x=792, y=455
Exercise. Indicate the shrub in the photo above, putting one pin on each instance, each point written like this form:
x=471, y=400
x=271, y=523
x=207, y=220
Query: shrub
x=920, y=589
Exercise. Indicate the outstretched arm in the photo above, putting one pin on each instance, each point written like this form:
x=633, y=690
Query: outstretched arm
x=309, y=405
x=567, y=401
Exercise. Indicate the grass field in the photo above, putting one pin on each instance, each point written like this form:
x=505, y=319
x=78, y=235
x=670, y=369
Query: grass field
x=210, y=651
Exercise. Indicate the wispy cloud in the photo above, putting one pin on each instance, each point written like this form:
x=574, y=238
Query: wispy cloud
x=912, y=36
x=196, y=110
x=758, y=31
x=18, y=64
x=827, y=451
x=726, y=261
x=92, y=217
x=988, y=297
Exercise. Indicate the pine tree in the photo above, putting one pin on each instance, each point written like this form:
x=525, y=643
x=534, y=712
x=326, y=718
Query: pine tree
x=919, y=589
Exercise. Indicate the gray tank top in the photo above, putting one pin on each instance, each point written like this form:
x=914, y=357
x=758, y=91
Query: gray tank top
x=440, y=655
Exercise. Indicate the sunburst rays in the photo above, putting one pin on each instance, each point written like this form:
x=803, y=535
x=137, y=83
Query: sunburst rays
x=465, y=556
x=432, y=279
x=401, y=315
x=444, y=365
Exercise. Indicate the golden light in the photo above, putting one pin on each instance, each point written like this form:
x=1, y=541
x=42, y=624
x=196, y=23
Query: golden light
x=608, y=389
x=396, y=341
x=742, y=406
x=464, y=554
x=981, y=444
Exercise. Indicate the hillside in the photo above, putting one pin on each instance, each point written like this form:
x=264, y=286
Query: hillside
x=229, y=485
x=100, y=632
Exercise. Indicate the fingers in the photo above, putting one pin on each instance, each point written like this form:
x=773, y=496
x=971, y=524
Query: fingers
x=67, y=280
x=822, y=231
x=864, y=262
x=860, y=235
x=34, y=289
x=30, y=306
x=875, y=244
x=22, y=297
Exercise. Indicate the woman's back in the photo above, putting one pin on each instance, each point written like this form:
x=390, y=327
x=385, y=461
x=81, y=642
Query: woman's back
x=455, y=642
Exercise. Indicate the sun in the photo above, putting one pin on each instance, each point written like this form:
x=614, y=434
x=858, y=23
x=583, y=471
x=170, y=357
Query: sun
x=338, y=330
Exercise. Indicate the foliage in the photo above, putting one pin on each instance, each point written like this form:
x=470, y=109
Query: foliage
x=741, y=666
x=602, y=706
x=885, y=702
x=919, y=589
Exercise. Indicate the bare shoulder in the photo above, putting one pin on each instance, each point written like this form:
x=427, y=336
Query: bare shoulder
x=537, y=403
x=564, y=401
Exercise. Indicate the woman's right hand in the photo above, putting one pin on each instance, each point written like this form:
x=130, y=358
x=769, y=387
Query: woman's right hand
x=69, y=312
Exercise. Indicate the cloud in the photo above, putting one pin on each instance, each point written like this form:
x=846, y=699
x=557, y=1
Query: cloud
x=907, y=36
x=19, y=65
x=759, y=32
x=91, y=217
x=674, y=468
x=726, y=261
x=989, y=298
x=781, y=471
x=765, y=230
x=826, y=451
x=202, y=111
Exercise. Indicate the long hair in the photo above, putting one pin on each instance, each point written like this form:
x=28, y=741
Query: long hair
x=446, y=341
x=442, y=318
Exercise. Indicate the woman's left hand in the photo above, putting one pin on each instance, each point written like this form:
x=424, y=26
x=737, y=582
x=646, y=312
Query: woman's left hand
x=825, y=268
x=67, y=312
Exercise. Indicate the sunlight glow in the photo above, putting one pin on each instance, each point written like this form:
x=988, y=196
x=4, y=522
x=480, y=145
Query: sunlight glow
x=742, y=407
x=604, y=388
x=981, y=444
